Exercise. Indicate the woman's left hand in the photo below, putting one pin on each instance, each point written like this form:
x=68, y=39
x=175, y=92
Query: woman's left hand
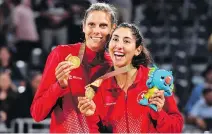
x=86, y=106
x=158, y=99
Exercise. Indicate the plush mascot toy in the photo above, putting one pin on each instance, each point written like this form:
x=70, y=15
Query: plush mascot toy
x=159, y=79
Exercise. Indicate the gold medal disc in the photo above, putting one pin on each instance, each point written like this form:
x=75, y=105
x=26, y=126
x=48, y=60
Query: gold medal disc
x=75, y=61
x=89, y=93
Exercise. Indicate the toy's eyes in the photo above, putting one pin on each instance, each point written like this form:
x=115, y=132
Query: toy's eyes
x=162, y=77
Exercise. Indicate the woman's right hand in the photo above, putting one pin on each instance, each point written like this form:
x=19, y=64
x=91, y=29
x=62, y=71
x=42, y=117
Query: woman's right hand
x=86, y=106
x=62, y=72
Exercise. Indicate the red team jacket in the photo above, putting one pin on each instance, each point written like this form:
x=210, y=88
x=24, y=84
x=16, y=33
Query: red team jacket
x=65, y=116
x=124, y=114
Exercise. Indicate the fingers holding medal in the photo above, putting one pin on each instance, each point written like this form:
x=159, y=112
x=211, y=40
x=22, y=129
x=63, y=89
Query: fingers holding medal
x=64, y=68
x=62, y=73
x=91, y=88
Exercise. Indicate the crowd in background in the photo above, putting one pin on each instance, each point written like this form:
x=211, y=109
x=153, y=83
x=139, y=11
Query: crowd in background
x=175, y=31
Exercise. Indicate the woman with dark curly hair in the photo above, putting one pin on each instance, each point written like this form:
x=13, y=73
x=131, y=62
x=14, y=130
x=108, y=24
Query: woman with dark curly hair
x=116, y=103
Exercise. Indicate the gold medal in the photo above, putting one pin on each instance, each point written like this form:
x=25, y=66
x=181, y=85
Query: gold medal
x=89, y=92
x=74, y=60
x=97, y=83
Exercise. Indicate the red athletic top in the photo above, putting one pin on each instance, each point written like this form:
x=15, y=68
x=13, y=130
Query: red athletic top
x=122, y=112
x=65, y=116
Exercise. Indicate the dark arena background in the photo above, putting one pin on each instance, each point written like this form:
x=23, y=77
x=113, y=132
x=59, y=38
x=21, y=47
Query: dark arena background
x=177, y=33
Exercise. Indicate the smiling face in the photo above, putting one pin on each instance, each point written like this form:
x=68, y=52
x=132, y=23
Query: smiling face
x=122, y=47
x=97, y=28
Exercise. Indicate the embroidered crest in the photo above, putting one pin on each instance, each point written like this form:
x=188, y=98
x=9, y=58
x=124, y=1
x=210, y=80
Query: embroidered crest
x=141, y=95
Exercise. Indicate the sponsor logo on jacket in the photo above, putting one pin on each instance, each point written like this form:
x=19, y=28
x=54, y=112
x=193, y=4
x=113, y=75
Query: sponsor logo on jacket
x=75, y=77
x=111, y=103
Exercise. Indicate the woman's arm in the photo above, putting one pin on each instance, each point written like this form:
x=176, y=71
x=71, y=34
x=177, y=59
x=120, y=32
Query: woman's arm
x=93, y=110
x=169, y=121
x=49, y=89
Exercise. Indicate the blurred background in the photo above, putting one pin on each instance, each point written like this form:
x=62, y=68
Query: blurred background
x=177, y=32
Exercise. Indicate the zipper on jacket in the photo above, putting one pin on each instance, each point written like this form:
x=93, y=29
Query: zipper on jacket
x=125, y=97
x=126, y=114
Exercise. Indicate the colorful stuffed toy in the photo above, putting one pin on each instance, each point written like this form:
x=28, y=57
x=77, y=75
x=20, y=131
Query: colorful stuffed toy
x=159, y=79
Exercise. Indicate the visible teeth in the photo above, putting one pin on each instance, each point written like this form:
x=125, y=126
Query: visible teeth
x=118, y=54
x=96, y=37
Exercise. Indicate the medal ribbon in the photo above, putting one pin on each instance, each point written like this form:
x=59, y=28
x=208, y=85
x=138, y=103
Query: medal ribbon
x=81, y=52
x=98, y=81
